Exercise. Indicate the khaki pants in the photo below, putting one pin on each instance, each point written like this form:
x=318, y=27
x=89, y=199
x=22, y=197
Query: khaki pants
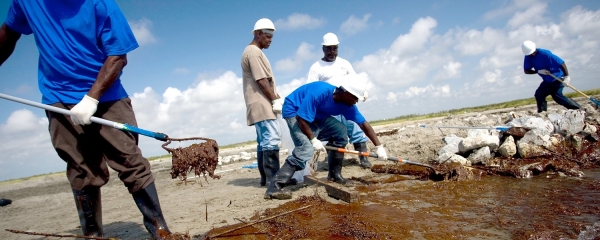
x=88, y=149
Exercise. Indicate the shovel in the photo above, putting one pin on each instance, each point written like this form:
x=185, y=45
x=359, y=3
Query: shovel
x=125, y=127
x=569, y=85
x=367, y=154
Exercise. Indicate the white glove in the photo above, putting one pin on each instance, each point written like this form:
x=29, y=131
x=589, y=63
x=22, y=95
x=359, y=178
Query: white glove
x=381, y=154
x=317, y=145
x=277, y=105
x=83, y=111
x=544, y=72
x=566, y=80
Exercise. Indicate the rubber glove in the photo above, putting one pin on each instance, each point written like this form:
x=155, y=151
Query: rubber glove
x=566, y=80
x=83, y=111
x=381, y=154
x=317, y=145
x=277, y=105
x=543, y=71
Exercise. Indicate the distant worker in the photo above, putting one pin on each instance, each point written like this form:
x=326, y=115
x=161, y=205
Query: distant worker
x=308, y=112
x=330, y=66
x=83, y=48
x=541, y=61
x=262, y=100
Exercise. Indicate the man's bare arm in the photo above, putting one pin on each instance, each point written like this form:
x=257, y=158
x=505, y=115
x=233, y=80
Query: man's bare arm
x=8, y=42
x=109, y=73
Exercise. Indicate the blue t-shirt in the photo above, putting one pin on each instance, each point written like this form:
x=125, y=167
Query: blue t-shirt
x=544, y=59
x=314, y=101
x=74, y=38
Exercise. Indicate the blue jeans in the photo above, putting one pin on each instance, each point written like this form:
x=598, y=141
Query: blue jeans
x=553, y=89
x=329, y=129
x=268, y=135
x=355, y=134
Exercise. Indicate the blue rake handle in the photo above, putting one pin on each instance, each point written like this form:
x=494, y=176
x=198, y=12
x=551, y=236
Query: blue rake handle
x=125, y=127
x=569, y=85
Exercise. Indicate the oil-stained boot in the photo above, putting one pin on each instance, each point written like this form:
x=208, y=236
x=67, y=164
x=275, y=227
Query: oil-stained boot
x=542, y=106
x=335, y=160
x=261, y=170
x=89, y=207
x=147, y=201
x=279, y=181
x=270, y=164
x=364, y=161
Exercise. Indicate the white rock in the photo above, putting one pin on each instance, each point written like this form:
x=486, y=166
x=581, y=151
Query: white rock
x=480, y=141
x=245, y=156
x=572, y=122
x=533, y=123
x=508, y=147
x=459, y=159
x=481, y=155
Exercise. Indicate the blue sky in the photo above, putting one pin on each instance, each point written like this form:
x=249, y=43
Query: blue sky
x=420, y=57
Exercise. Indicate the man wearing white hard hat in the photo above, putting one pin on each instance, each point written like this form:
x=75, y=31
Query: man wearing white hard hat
x=262, y=100
x=308, y=112
x=543, y=62
x=329, y=67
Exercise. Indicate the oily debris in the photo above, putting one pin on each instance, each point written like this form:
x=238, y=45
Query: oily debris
x=199, y=158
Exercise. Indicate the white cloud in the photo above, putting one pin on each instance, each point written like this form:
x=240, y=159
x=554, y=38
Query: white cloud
x=353, y=25
x=141, y=30
x=297, y=21
x=294, y=63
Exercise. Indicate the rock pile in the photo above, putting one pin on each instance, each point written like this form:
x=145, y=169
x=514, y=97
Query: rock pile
x=562, y=142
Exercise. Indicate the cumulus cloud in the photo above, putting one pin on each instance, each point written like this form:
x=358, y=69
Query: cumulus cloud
x=141, y=31
x=354, y=25
x=296, y=21
x=303, y=53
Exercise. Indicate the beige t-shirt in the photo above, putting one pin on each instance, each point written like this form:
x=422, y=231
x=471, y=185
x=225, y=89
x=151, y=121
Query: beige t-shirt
x=256, y=66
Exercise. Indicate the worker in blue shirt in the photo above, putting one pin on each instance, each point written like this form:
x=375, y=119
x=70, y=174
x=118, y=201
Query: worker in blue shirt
x=308, y=112
x=543, y=62
x=83, y=48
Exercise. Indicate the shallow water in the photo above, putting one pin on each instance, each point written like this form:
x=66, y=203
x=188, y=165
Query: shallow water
x=547, y=206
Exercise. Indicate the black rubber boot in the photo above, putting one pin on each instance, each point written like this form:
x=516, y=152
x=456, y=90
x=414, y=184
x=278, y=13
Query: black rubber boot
x=280, y=180
x=364, y=161
x=154, y=221
x=270, y=164
x=335, y=160
x=261, y=170
x=89, y=207
x=542, y=106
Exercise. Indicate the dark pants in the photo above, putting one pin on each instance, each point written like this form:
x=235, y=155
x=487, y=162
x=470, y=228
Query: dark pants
x=88, y=149
x=553, y=89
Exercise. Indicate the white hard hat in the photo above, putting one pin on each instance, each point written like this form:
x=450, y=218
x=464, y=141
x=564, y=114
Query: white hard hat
x=354, y=84
x=263, y=23
x=330, y=39
x=528, y=47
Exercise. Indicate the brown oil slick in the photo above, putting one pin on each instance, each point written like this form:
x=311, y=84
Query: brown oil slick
x=552, y=197
x=199, y=158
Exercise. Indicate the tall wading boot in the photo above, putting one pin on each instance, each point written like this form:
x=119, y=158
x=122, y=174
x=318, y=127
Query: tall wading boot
x=279, y=181
x=270, y=164
x=89, y=207
x=147, y=201
x=335, y=160
x=261, y=170
x=364, y=161
x=542, y=106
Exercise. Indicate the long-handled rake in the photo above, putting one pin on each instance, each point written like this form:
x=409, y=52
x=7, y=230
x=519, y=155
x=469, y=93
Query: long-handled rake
x=201, y=158
x=367, y=154
x=571, y=86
